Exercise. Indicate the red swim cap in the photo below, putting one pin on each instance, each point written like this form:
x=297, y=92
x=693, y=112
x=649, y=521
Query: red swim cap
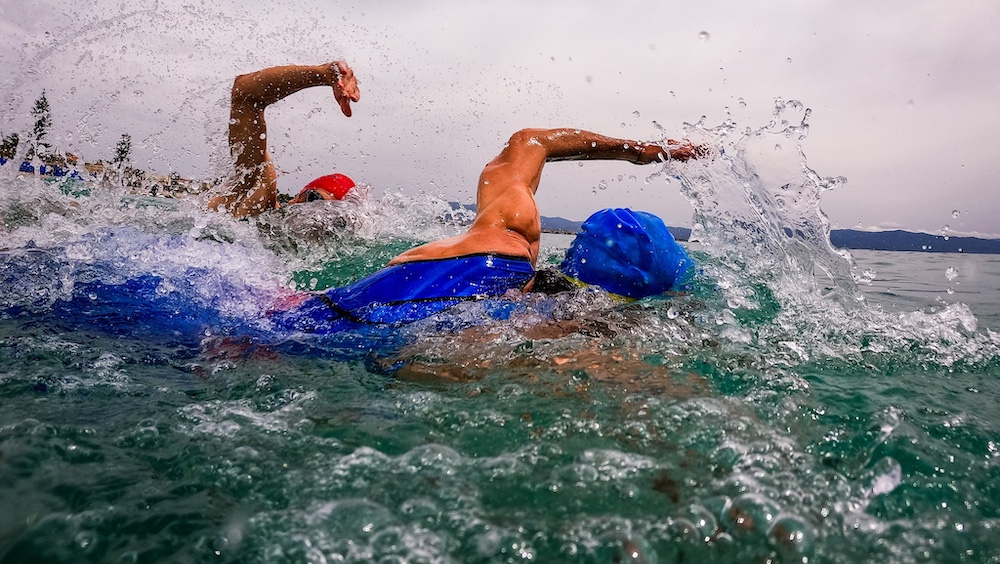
x=337, y=185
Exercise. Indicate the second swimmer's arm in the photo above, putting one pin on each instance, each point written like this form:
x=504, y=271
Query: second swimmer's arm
x=256, y=188
x=265, y=87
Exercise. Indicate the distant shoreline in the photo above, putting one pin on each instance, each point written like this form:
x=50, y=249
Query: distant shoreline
x=895, y=240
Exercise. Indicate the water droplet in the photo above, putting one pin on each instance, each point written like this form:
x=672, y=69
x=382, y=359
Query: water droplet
x=777, y=147
x=951, y=273
x=704, y=36
x=955, y=213
x=602, y=185
x=951, y=290
x=742, y=102
x=788, y=60
x=636, y=113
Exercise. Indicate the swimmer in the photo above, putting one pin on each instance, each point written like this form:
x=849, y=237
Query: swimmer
x=255, y=188
x=628, y=253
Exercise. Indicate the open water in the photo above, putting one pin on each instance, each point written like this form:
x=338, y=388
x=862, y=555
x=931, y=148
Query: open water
x=796, y=403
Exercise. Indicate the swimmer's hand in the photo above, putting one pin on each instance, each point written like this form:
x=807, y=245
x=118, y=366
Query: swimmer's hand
x=686, y=150
x=676, y=150
x=345, y=86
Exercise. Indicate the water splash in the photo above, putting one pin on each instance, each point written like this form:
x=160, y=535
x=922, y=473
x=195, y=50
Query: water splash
x=783, y=288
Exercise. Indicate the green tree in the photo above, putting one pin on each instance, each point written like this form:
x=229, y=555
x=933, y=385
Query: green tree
x=8, y=148
x=123, y=151
x=43, y=122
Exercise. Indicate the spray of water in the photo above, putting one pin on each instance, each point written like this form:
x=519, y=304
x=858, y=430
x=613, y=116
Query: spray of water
x=769, y=268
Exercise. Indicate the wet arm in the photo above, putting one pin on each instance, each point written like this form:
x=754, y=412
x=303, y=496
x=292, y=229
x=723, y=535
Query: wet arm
x=529, y=149
x=256, y=187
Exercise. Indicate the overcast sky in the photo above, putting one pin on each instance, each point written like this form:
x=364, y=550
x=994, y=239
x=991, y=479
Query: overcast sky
x=902, y=93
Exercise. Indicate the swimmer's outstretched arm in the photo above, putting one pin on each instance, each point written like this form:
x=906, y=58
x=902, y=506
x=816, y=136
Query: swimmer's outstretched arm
x=529, y=149
x=256, y=188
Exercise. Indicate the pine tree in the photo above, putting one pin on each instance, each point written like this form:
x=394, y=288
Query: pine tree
x=123, y=151
x=8, y=148
x=43, y=121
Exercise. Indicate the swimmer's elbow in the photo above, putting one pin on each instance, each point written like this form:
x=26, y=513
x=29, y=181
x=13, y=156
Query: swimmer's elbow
x=526, y=136
x=243, y=87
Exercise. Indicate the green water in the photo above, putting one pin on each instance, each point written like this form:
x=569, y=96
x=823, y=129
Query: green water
x=117, y=450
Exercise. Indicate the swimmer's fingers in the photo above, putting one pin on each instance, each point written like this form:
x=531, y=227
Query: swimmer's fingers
x=685, y=150
x=345, y=86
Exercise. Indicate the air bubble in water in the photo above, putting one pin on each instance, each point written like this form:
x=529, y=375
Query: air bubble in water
x=793, y=537
x=951, y=273
x=704, y=36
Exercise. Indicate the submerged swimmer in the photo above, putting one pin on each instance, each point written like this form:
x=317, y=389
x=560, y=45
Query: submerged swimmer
x=627, y=253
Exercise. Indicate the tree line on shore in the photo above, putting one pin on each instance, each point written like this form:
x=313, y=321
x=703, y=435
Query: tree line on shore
x=39, y=152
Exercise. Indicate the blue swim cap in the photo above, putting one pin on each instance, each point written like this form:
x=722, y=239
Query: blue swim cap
x=628, y=253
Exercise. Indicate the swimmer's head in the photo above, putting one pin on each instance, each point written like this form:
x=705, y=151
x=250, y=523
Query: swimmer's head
x=628, y=253
x=329, y=187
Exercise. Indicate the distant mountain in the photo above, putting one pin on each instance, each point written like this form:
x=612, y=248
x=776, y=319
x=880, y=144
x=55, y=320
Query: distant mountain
x=908, y=241
x=897, y=240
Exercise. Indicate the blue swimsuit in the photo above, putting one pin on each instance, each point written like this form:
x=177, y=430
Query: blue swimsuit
x=407, y=292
